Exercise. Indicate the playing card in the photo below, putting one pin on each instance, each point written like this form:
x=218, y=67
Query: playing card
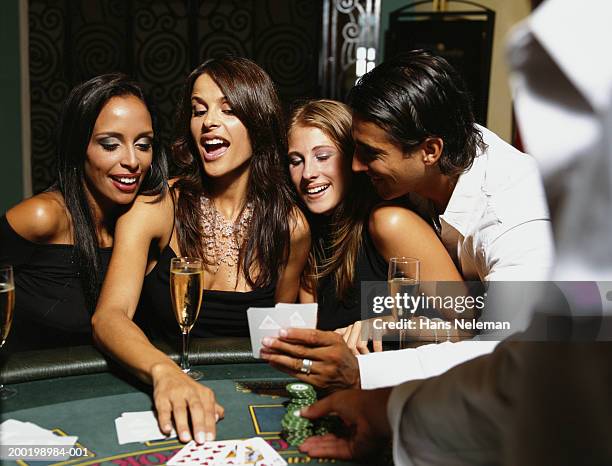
x=14, y=432
x=258, y=452
x=140, y=426
x=267, y=322
x=231, y=455
x=251, y=455
x=208, y=454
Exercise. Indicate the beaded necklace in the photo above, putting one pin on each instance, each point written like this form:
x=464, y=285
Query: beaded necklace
x=223, y=238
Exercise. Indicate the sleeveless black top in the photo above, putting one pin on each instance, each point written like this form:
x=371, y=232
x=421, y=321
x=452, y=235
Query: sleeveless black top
x=223, y=313
x=50, y=308
x=333, y=313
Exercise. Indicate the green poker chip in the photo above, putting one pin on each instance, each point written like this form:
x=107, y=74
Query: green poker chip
x=296, y=441
x=291, y=425
x=297, y=436
x=299, y=387
x=292, y=406
x=301, y=390
x=296, y=426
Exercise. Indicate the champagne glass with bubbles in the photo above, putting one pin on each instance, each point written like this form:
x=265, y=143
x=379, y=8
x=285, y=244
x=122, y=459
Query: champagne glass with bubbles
x=186, y=287
x=403, y=279
x=7, y=307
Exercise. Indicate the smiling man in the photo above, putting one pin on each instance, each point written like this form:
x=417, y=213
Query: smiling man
x=416, y=136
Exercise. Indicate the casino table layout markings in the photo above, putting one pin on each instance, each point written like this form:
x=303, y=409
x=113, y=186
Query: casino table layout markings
x=252, y=408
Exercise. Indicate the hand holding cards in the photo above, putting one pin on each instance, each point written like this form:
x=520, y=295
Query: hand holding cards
x=254, y=451
x=267, y=321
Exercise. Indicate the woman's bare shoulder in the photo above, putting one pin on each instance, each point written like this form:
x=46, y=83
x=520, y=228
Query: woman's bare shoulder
x=390, y=219
x=42, y=218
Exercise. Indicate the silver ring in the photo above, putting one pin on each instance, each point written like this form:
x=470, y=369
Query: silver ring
x=306, y=366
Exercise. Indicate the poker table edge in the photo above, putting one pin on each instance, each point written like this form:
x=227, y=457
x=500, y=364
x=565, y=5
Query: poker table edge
x=28, y=366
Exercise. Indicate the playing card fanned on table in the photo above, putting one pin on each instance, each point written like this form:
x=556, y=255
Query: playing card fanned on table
x=251, y=452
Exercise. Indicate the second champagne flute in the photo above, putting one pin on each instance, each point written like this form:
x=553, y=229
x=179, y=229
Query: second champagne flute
x=186, y=287
x=403, y=278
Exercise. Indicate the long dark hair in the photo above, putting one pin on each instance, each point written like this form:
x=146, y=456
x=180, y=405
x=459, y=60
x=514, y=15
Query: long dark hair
x=251, y=94
x=418, y=95
x=335, y=247
x=77, y=119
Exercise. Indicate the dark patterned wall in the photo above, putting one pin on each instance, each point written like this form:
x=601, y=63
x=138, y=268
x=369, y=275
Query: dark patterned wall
x=159, y=42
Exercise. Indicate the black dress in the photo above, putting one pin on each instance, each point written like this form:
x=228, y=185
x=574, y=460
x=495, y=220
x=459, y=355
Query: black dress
x=50, y=308
x=223, y=313
x=334, y=313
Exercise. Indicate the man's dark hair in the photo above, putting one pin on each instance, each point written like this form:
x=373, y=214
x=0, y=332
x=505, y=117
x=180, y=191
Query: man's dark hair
x=419, y=95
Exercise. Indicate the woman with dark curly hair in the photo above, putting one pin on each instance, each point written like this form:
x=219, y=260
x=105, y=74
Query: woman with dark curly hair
x=231, y=206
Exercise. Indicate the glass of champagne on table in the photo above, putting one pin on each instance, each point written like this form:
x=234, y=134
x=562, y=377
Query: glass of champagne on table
x=403, y=280
x=7, y=306
x=186, y=287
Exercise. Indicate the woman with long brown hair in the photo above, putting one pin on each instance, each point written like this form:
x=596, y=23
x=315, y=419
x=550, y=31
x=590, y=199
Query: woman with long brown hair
x=231, y=206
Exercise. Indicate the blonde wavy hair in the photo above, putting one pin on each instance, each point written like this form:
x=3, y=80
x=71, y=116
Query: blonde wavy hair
x=338, y=256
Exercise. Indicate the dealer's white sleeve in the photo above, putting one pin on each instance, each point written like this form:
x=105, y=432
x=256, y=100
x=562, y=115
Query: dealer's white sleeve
x=389, y=368
x=395, y=407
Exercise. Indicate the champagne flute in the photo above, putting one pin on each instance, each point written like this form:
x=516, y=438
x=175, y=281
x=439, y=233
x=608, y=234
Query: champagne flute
x=402, y=278
x=186, y=287
x=7, y=306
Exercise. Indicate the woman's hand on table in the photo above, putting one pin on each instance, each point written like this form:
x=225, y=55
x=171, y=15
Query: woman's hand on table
x=358, y=334
x=334, y=366
x=179, y=397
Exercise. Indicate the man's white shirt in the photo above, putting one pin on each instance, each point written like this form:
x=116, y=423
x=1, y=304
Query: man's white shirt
x=496, y=227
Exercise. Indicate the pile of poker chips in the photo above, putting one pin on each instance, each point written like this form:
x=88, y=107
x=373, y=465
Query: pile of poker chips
x=295, y=428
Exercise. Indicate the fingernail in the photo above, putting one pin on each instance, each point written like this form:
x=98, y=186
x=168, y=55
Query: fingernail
x=185, y=437
x=283, y=332
x=209, y=437
x=267, y=341
x=167, y=428
x=303, y=411
x=200, y=438
x=216, y=417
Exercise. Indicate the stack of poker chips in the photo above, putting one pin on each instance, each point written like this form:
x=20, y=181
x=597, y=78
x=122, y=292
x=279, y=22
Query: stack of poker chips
x=296, y=428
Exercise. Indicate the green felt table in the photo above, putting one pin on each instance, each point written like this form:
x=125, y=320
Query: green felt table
x=87, y=405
